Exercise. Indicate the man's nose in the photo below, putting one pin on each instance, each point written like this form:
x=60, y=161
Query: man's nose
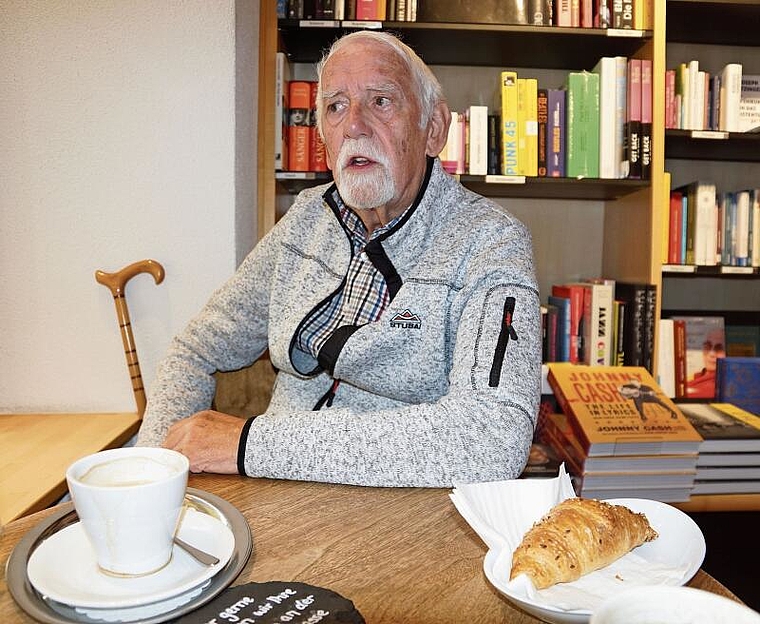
x=356, y=122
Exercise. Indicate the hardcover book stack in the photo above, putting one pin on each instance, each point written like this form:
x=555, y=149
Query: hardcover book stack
x=619, y=435
x=729, y=456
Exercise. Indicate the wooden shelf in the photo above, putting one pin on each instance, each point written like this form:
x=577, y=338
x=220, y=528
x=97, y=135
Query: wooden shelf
x=702, y=145
x=718, y=22
x=489, y=45
x=691, y=270
x=534, y=188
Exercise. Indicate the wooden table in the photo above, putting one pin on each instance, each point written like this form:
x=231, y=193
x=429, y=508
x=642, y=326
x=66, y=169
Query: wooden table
x=401, y=555
x=36, y=449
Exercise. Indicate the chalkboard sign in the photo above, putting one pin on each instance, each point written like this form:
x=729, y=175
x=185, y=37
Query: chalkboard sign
x=276, y=602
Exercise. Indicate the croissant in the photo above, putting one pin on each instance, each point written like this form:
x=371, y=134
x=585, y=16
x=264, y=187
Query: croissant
x=576, y=537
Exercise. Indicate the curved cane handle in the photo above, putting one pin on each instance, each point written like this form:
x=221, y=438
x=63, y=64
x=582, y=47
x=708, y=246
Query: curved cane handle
x=116, y=283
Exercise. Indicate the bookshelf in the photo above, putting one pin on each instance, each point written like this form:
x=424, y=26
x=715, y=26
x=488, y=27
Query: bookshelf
x=603, y=212
x=714, y=32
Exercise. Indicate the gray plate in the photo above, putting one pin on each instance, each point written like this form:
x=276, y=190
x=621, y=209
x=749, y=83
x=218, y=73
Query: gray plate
x=31, y=601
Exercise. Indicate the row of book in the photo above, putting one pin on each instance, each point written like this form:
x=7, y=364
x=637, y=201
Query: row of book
x=727, y=100
x=620, y=436
x=600, y=322
x=709, y=228
x=623, y=14
x=597, y=125
x=298, y=146
x=697, y=359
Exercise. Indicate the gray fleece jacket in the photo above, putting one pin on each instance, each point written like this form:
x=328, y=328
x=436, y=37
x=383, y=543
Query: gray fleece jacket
x=444, y=386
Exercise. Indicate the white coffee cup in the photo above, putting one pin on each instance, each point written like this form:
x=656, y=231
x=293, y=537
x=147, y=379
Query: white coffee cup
x=129, y=502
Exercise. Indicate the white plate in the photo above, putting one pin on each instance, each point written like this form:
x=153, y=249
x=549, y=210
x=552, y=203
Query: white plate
x=64, y=568
x=675, y=605
x=679, y=549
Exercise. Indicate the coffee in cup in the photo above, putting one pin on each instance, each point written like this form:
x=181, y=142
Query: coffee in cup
x=129, y=502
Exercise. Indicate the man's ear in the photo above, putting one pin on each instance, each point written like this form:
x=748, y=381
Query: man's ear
x=438, y=129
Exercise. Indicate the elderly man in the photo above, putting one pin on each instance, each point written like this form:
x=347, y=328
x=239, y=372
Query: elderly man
x=400, y=309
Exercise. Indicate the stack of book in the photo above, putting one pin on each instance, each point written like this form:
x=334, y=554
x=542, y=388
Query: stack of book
x=619, y=435
x=729, y=456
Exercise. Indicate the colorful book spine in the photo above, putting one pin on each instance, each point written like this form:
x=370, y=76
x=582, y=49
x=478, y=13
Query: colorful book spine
x=282, y=78
x=510, y=133
x=542, y=111
x=317, y=155
x=477, y=142
x=563, y=13
x=494, y=144
x=556, y=132
x=299, y=96
x=527, y=119
x=582, y=125
x=646, y=119
x=573, y=292
x=633, y=119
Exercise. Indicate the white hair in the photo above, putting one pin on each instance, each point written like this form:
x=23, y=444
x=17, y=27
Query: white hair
x=428, y=92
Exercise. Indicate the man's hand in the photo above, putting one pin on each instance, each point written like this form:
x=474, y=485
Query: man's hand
x=209, y=440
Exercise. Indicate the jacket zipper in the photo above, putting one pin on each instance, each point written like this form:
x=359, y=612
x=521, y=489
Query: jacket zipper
x=507, y=332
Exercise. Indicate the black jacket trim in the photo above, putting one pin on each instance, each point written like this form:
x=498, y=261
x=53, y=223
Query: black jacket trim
x=328, y=354
x=242, y=443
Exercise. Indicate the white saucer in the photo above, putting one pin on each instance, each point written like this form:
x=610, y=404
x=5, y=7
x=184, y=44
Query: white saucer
x=63, y=568
x=139, y=613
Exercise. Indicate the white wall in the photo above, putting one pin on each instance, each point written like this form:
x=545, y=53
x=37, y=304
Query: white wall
x=117, y=143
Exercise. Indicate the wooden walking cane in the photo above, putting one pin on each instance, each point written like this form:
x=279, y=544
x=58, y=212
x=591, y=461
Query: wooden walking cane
x=116, y=283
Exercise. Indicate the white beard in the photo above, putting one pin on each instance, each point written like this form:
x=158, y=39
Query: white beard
x=364, y=190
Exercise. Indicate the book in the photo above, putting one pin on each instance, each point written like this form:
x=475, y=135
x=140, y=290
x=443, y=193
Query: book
x=646, y=118
x=527, y=118
x=732, y=458
x=612, y=73
x=282, y=79
x=317, y=154
x=299, y=96
x=675, y=231
x=542, y=119
x=582, y=122
x=574, y=293
x=563, y=15
x=540, y=12
x=634, y=341
x=556, y=133
x=563, y=326
x=738, y=382
x=730, y=97
x=633, y=119
x=679, y=357
x=724, y=427
x=749, y=103
x=705, y=345
x=727, y=486
x=666, y=374
x=742, y=340
x=597, y=328
x=510, y=133
x=650, y=311
x=477, y=119
x=620, y=410
x=494, y=144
